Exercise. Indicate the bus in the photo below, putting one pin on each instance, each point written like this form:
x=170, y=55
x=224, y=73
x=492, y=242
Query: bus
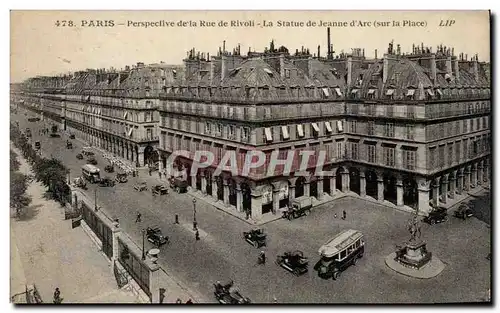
x=91, y=173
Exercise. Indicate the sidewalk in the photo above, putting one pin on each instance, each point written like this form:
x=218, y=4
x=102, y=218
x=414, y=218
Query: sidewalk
x=51, y=255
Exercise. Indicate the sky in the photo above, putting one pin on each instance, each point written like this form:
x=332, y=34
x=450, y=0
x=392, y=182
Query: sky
x=44, y=43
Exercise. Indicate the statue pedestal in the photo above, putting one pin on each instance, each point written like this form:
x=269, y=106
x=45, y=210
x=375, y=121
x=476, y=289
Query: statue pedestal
x=414, y=260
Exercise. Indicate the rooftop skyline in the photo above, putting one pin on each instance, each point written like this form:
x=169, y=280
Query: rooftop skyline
x=50, y=50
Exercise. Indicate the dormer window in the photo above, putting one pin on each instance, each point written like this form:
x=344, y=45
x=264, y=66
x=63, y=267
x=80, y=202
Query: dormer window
x=430, y=94
x=354, y=93
x=338, y=92
x=287, y=73
x=269, y=72
x=410, y=94
x=439, y=94
x=174, y=74
x=390, y=94
x=371, y=93
x=234, y=72
x=325, y=92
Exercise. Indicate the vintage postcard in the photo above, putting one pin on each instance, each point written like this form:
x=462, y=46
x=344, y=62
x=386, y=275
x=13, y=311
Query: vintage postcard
x=250, y=157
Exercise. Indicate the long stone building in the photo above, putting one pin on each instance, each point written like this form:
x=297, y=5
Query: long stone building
x=409, y=130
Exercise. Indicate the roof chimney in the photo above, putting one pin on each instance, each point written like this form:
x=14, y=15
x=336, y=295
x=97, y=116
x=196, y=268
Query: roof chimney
x=329, y=53
x=212, y=71
x=282, y=65
x=448, y=66
x=475, y=69
x=224, y=47
x=456, y=69
x=375, y=54
x=433, y=68
x=319, y=47
x=386, y=69
x=223, y=67
x=349, y=70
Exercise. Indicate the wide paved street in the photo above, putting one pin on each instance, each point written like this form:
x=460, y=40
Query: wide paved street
x=221, y=254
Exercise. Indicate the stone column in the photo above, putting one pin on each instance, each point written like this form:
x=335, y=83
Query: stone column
x=423, y=197
x=276, y=200
x=486, y=172
x=380, y=189
x=480, y=173
x=452, y=185
x=214, y=189
x=123, y=149
x=140, y=158
x=345, y=180
x=115, y=230
x=362, y=183
x=226, y=192
x=473, y=178
x=133, y=156
x=444, y=186
x=193, y=181
x=291, y=189
x=399, y=192
x=307, y=188
x=460, y=181
x=127, y=148
x=333, y=185
x=154, y=280
x=239, y=198
x=320, y=188
x=256, y=206
x=467, y=178
x=203, y=183
x=435, y=192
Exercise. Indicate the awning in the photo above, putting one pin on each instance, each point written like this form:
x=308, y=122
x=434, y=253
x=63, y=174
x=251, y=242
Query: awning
x=337, y=90
x=325, y=92
x=430, y=92
x=439, y=92
x=125, y=115
x=130, y=131
x=315, y=127
x=339, y=126
x=328, y=127
x=371, y=91
x=300, y=130
x=269, y=135
x=410, y=92
x=389, y=92
x=284, y=131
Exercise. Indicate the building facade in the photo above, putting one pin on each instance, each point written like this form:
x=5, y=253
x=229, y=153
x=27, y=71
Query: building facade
x=410, y=130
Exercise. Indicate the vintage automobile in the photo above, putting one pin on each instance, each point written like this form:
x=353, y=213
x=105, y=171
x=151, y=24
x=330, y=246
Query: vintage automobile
x=159, y=190
x=33, y=119
x=79, y=156
x=463, y=212
x=340, y=252
x=294, y=262
x=91, y=160
x=80, y=183
x=121, y=177
x=54, y=135
x=178, y=184
x=87, y=151
x=107, y=182
x=227, y=294
x=141, y=186
x=437, y=215
x=28, y=132
x=256, y=237
x=69, y=145
x=109, y=168
x=298, y=207
x=72, y=136
x=155, y=236
x=38, y=145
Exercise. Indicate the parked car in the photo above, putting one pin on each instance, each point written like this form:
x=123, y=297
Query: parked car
x=109, y=168
x=72, y=136
x=92, y=160
x=69, y=144
x=294, y=262
x=141, y=186
x=227, y=294
x=79, y=156
x=54, y=135
x=33, y=119
x=155, y=236
x=107, y=182
x=463, y=212
x=178, y=184
x=256, y=237
x=299, y=206
x=121, y=177
x=38, y=145
x=438, y=215
x=159, y=190
x=340, y=252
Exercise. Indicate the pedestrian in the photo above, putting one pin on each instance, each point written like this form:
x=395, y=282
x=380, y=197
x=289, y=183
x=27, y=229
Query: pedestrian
x=138, y=218
x=176, y=218
x=178, y=301
x=159, y=173
x=189, y=301
x=344, y=214
x=335, y=215
x=57, y=296
x=197, y=235
x=247, y=211
x=262, y=257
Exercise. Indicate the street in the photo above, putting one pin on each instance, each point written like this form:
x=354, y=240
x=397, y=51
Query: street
x=223, y=255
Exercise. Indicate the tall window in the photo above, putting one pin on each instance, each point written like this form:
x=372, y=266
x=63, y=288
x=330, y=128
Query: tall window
x=441, y=155
x=457, y=151
x=409, y=159
x=371, y=128
x=466, y=128
x=457, y=128
x=230, y=133
x=450, y=154
x=410, y=132
x=353, y=125
x=389, y=156
x=207, y=128
x=354, y=150
x=389, y=130
x=245, y=134
x=441, y=130
x=464, y=142
x=340, y=151
x=372, y=153
x=432, y=157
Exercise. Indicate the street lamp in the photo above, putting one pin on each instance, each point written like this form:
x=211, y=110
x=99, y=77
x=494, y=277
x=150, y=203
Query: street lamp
x=143, y=235
x=195, y=224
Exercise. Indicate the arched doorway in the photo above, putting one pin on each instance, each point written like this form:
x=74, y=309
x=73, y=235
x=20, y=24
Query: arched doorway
x=247, y=198
x=299, y=187
x=410, y=192
x=371, y=184
x=151, y=156
x=390, y=188
x=198, y=180
x=338, y=178
x=208, y=178
x=313, y=187
x=354, y=184
x=220, y=188
x=326, y=185
x=232, y=192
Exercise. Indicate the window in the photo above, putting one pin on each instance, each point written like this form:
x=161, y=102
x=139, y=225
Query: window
x=340, y=151
x=450, y=153
x=268, y=134
x=353, y=126
x=409, y=157
x=284, y=132
x=389, y=156
x=466, y=128
x=410, y=94
x=300, y=130
x=390, y=94
x=328, y=127
x=315, y=128
x=464, y=142
x=340, y=127
x=372, y=153
x=409, y=132
x=354, y=150
x=230, y=133
x=371, y=128
x=429, y=94
x=457, y=128
x=219, y=129
x=287, y=73
x=441, y=155
x=432, y=157
x=372, y=93
x=389, y=130
x=207, y=128
x=245, y=134
x=457, y=151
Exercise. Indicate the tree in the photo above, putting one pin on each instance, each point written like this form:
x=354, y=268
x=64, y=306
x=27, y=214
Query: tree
x=18, y=186
x=14, y=162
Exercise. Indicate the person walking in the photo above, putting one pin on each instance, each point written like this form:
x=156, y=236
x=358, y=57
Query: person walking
x=138, y=218
x=344, y=215
x=57, y=296
x=197, y=235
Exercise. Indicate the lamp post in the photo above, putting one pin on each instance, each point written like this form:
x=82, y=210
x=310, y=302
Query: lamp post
x=143, y=235
x=195, y=224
